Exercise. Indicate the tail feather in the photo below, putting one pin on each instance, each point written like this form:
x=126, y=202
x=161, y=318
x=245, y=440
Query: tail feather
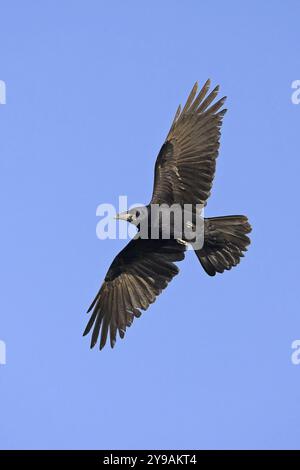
x=225, y=242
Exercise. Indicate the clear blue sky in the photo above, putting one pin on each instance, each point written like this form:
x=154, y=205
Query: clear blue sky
x=92, y=87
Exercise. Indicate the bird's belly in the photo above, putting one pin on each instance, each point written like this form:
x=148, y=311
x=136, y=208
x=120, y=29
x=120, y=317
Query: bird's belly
x=180, y=225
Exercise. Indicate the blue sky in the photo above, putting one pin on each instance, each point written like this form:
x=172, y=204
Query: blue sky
x=91, y=90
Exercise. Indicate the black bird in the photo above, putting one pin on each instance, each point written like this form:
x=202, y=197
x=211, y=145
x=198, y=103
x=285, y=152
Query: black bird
x=184, y=172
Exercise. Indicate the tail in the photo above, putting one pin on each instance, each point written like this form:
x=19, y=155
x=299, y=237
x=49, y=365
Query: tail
x=225, y=240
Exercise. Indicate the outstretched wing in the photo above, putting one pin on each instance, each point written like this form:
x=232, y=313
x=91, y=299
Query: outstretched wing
x=135, y=278
x=185, y=166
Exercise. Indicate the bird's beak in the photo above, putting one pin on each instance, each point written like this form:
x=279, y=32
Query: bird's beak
x=123, y=216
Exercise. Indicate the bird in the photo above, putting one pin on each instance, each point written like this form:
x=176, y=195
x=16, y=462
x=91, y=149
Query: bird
x=183, y=175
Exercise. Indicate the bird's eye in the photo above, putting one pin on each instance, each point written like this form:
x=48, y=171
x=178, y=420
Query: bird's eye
x=137, y=214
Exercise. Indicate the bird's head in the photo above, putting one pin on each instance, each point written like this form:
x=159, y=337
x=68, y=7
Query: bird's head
x=134, y=216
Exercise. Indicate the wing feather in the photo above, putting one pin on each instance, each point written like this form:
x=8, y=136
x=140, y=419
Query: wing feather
x=185, y=166
x=135, y=278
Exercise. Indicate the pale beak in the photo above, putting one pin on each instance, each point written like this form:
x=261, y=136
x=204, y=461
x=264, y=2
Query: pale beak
x=123, y=216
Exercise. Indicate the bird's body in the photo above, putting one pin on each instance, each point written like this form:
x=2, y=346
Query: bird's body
x=163, y=222
x=184, y=172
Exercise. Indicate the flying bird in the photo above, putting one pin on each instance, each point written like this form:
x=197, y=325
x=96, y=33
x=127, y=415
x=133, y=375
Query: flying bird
x=184, y=173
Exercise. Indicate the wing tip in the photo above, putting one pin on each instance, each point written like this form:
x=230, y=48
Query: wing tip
x=85, y=332
x=195, y=87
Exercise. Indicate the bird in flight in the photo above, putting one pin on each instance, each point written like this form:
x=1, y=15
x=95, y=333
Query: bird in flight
x=184, y=173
